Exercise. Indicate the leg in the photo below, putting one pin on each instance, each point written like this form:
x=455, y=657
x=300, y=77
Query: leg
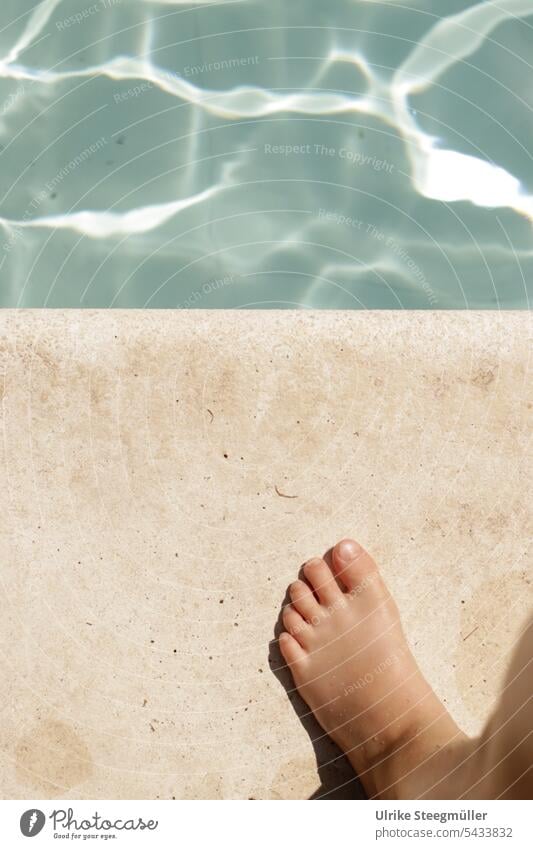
x=506, y=745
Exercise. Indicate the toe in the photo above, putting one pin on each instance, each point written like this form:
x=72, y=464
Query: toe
x=352, y=565
x=322, y=580
x=295, y=624
x=304, y=601
x=291, y=650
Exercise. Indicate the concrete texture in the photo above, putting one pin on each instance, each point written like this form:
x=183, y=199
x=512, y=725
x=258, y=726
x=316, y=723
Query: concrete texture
x=147, y=535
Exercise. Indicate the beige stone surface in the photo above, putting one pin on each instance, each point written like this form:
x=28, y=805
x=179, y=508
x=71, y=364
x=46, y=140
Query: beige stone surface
x=146, y=541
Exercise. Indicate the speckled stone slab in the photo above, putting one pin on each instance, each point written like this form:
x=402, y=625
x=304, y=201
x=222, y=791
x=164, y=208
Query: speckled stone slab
x=164, y=476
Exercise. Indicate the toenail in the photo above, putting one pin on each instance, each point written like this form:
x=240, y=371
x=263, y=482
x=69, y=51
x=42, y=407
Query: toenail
x=347, y=550
x=314, y=561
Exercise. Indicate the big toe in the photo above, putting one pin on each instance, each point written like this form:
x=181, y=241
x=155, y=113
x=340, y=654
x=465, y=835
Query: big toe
x=352, y=565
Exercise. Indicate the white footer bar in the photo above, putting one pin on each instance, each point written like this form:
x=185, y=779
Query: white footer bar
x=264, y=825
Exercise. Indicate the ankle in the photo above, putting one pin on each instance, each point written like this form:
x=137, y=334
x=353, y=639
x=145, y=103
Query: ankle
x=425, y=758
x=377, y=760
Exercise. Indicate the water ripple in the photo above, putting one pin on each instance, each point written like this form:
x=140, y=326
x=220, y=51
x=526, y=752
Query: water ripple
x=433, y=169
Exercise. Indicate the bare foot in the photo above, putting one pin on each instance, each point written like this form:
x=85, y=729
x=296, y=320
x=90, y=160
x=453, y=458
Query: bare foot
x=351, y=663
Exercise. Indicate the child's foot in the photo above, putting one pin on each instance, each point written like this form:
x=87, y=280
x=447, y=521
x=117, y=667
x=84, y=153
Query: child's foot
x=351, y=663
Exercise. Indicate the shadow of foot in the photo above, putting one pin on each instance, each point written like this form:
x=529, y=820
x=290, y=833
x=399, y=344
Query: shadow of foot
x=335, y=773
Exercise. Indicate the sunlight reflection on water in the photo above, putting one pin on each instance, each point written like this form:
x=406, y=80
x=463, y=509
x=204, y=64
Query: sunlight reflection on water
x=203, y=155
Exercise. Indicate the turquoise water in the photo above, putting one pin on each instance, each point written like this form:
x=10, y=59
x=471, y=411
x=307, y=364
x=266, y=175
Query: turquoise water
x=311, y=153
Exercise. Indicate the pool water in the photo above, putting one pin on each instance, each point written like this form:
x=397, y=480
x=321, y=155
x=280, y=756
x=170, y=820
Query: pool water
x=266, y=154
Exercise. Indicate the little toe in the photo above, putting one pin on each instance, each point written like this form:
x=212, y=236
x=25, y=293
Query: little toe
x=322, y=580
